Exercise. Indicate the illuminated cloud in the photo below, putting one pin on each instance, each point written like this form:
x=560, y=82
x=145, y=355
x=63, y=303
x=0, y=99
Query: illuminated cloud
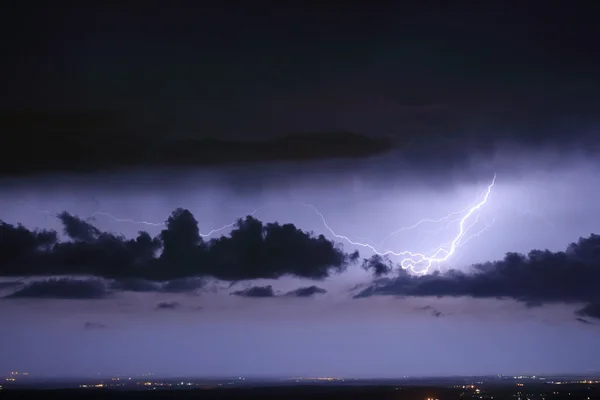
x=539, y=277
x=422, y=263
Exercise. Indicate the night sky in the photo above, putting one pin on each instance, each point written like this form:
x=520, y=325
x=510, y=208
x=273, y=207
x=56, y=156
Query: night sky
x=480, y=120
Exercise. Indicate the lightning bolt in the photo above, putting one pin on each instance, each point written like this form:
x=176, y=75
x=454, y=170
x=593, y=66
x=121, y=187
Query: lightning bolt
x=445, y=219
x=127, y=220
x=412, y=260
x=418, y=263
x=156, y=224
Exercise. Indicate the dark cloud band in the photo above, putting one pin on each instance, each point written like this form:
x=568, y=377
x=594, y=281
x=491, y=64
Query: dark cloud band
x=570, y=276
x=252, y=250
x=255, y=250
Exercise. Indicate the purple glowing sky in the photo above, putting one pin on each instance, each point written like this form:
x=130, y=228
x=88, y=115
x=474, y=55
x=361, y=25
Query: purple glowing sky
x=532, y=205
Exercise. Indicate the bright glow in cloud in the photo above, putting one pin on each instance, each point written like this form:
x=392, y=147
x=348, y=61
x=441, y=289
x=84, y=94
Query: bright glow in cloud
x=421, y=263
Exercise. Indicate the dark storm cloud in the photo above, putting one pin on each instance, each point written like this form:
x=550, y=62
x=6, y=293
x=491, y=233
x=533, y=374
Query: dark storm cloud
x=539, y=277
x=256, y=291
x=183, y=285
x=135, y=285
x=4, y=285
x=143, y=285
x=584, y=321
x=308, y=291
x=73, y=147
x=63, y=288
x=435, y=149
x=168, y=305
x=506, y=91
x=378, y=265
x=267, y=291
x=590, y=310
x=255, y=250
x=179, y=254
x=93, y=325
x=108, y=140
x=78, y=229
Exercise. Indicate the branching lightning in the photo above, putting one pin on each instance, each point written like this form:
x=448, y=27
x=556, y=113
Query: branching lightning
x=447, y=221
x=156, y=224
x=420, y=263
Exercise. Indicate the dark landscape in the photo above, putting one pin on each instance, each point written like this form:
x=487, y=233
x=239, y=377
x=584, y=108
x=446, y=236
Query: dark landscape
x=495, y=387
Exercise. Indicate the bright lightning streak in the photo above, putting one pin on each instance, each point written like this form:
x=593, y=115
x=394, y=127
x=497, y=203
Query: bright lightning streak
x=433, y=221
x=446, y=219
x=127, y=220
x=412, y=260
x=210, y=233
x=148, y=223
x=474, y=235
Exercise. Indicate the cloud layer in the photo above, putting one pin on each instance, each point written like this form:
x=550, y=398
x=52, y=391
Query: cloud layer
x=111, y=140
x=62, y=289
x=570, y=276
x=179, y=260
x=267, y=291
x=252, y=250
